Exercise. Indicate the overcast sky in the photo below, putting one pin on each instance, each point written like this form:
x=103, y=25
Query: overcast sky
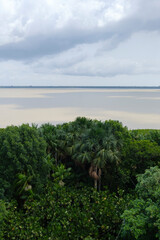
x=80, y=42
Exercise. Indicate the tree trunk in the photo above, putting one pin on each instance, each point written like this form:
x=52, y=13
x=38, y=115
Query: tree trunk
x=95, y=180
x=99, y=175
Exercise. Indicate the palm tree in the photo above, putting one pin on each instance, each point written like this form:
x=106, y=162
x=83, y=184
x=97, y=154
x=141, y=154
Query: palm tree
x=87, y=142
x=109, y=153
x=104, y=149
x=22, y=185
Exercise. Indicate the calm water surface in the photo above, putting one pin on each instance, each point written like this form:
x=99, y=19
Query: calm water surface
x=135, y=108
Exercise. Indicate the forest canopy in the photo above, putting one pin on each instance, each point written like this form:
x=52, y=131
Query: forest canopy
x=79, y=180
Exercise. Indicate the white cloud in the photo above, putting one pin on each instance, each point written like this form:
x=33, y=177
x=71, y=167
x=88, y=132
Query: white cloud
x=20, y=18
x=79, y=38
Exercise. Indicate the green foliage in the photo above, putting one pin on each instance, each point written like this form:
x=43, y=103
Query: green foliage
x=140, y=155
x=122, y=154
x=56, y=139
x=86, y=142
x=148, y=185
x=2, y=210
x=22, y=187
x=60, y=173
x=3, y=214
x=66, y=213
x=142, y=219
x=22, y=151
x=146, y=134
x=47, y=173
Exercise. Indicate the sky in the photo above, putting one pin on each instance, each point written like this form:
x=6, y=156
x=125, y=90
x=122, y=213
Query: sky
x=80, y=42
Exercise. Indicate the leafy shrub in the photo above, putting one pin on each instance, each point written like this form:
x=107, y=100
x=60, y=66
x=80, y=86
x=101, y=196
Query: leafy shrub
x=142, y=219
x=66, y=213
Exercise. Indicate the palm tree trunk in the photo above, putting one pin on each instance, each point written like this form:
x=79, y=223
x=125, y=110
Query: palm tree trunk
x=99, y=175
x=95, y=180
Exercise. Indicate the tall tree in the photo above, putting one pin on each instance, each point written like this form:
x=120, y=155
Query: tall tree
x=97, y=146
x=22, y=150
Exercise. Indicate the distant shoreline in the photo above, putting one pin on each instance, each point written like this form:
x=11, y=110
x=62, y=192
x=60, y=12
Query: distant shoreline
x=86, y=87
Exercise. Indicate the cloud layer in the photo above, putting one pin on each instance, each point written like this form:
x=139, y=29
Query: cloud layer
x=79, y=38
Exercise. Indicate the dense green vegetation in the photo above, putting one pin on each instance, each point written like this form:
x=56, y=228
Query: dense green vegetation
x=85, y=179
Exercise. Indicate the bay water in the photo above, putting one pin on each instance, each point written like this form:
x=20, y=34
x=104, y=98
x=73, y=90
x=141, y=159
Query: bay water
x=135, y=108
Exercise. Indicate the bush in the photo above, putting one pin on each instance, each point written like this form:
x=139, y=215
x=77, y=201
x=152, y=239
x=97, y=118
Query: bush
x=66, y=213
x=142, y=219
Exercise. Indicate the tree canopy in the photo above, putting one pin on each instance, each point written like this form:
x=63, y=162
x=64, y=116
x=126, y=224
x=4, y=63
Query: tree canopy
x=22, y=151
x=142, y=219
x=85, y=179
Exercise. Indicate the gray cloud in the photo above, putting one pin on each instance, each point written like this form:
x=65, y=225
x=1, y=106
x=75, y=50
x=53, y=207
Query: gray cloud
x=92, y=38
x=69, y=36
x=40, y=45
x=109, y=68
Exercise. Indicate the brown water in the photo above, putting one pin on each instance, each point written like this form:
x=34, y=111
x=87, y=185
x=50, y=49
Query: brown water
x=135, y=108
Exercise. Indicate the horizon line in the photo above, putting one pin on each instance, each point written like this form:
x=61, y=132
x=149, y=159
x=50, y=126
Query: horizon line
x=72, y=86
